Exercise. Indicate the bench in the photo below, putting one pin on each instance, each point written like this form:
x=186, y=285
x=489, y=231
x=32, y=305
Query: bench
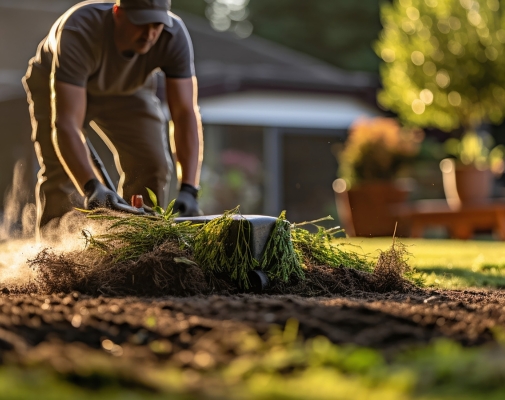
x=461, y=222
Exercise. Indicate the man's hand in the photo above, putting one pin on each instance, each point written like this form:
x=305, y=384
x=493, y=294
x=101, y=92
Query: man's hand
x=186, y=204
x=98, y=196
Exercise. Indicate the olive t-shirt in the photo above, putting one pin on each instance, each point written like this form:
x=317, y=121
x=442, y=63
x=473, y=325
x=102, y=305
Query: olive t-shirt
x=85, y=54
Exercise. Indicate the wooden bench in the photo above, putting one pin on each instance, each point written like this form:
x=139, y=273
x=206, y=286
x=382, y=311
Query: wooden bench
x=461, y=223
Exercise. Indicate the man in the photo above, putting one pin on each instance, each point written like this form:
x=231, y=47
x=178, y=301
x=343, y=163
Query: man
x=97, y=66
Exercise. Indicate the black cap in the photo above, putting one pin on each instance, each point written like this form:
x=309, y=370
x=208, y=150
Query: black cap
x=143, y=12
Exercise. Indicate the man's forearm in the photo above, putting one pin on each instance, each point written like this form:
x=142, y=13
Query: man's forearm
x=189, y=146
x=68, y=113
x=73, y=154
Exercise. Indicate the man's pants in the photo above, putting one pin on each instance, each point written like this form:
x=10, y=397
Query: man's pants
x=133, y=128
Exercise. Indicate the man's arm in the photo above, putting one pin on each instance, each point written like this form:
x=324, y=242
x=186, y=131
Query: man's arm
x=182, y=97
x=70, y=107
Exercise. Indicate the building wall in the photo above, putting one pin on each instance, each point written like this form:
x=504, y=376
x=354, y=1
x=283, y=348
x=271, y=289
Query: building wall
x=233, y=170
x=236, y=169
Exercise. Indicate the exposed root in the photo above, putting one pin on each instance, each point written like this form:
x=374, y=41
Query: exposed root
x=392, y=269
x=165, y=271
x=321, y=280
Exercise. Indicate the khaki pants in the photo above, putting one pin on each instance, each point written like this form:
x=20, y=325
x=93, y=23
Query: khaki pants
x=134, y=129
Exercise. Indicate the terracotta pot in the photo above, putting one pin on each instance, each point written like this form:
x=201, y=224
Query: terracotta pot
x=366, y=209
x=465, y=184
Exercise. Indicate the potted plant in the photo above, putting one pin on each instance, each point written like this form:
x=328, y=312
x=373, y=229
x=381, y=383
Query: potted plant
x=375, y=154
x=468, y=175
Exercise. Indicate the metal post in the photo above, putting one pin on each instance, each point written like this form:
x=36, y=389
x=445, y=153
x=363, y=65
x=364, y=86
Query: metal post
x=273, y=158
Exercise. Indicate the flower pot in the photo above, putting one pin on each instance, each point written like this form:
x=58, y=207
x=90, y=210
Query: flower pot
x=465, y=184
x=366, y=209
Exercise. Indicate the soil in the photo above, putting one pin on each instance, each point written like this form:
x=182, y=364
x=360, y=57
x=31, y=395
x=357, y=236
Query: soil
x=173, y=328
x=78, y=305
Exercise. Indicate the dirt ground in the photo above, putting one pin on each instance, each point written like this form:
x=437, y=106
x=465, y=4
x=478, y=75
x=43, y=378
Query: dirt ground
x=178, y=329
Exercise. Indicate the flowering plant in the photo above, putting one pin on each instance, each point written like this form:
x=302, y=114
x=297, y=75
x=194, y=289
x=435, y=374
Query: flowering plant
x=376, y=150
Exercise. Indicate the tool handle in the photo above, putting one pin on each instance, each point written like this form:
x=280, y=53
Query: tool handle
x=137, y=201
x=99, y=165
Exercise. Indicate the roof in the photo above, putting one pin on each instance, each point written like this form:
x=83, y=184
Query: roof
x=284, y=110
x=226, y=63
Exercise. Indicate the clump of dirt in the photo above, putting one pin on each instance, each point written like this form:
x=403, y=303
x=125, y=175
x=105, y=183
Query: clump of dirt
x=321, y=280
x=165, y=271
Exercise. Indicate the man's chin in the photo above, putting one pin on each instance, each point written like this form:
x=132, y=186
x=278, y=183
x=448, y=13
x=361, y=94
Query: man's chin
x=143, y=49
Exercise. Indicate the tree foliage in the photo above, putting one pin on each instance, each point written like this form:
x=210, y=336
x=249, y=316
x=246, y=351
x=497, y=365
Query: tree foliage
x=443, y=62
x=337, y=31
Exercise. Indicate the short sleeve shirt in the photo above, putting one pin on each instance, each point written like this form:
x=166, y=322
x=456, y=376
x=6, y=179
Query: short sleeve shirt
x=81, y=49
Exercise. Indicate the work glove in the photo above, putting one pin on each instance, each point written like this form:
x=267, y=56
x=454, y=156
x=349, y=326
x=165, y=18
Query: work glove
x=186, y=203
x=98, y=196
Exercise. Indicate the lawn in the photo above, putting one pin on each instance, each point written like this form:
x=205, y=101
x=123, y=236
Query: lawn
x=448, y=264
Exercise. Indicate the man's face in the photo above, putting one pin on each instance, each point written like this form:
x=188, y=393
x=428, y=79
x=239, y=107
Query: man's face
x=136, y=38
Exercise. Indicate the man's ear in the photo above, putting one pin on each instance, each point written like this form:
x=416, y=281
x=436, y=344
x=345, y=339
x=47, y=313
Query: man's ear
x=117, y=12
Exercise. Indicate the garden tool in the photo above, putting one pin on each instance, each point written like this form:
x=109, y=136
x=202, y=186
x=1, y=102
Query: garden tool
x=99, y=166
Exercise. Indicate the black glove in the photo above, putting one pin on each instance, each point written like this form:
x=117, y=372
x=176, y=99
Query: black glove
x=98, y=196
x=186, y=204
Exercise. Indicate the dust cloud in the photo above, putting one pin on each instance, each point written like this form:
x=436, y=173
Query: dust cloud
x=18, y=244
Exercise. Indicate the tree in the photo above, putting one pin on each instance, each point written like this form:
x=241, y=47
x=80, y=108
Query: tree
x=444, y=62
x=339, y=32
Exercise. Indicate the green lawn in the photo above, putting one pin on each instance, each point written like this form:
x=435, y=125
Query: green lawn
x=449, y=264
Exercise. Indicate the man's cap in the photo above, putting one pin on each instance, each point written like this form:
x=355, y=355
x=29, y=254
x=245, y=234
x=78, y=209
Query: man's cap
x=142, y=12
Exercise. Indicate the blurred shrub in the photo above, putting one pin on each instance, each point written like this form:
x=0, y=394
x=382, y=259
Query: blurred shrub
x=477, y=149
x=377, y=150
x=282, y=366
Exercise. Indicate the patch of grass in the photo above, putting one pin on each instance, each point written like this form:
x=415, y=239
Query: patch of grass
x=447, y=264
x=221, y=247
x=217, y=253
x=130, y=237
x=45, y=384
x=320, y=249
x=281, y=258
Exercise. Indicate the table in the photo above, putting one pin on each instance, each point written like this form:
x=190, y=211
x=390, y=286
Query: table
x=461, y=222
